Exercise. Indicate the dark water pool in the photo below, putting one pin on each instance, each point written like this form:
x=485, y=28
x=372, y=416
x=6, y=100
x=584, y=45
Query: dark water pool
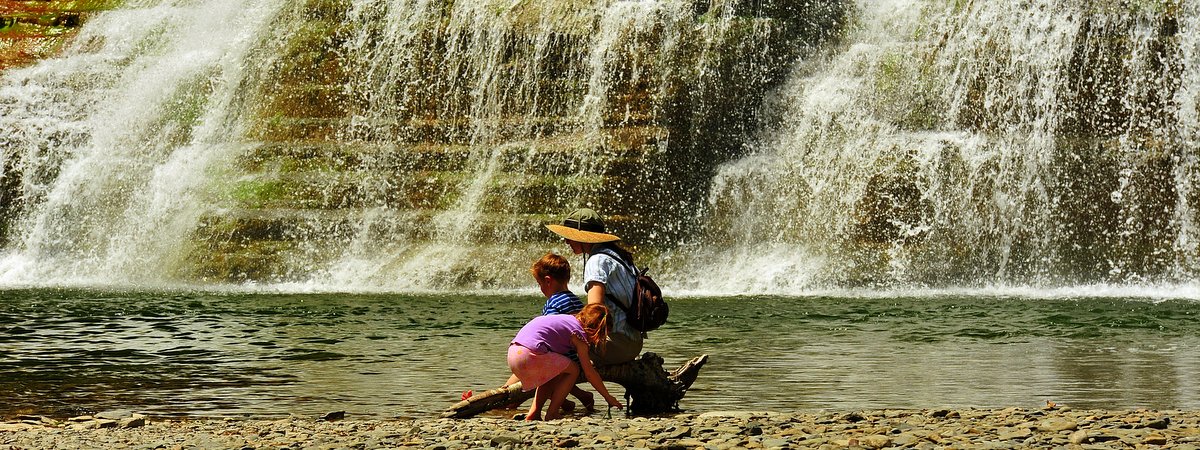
x=71, y=352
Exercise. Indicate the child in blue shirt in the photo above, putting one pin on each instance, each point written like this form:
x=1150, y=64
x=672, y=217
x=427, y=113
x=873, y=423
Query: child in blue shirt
x=553, y=273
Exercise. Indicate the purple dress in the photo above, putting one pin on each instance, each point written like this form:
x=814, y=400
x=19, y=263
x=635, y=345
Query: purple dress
x=536, y=355
x=550, y=333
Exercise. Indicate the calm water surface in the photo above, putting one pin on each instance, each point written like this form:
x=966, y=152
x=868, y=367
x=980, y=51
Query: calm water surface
x=65, y=352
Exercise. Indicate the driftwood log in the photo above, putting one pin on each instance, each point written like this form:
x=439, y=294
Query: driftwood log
x=649, y=389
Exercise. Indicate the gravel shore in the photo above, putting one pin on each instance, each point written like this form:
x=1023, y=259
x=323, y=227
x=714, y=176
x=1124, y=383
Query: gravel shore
x=957, y=428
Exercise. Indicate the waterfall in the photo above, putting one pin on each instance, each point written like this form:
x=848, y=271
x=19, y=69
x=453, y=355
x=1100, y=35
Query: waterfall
x=499, y=117
x=1187, y=111
x=737, y=146
x=374, y=144
x=497, y=86
x=1044, y=143
x=111, y=146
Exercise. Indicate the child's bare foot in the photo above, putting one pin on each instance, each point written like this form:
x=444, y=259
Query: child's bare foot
x=587, y=399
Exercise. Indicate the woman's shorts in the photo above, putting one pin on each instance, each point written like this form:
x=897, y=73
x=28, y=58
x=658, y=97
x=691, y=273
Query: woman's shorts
x=620, y=348
x=534, y=369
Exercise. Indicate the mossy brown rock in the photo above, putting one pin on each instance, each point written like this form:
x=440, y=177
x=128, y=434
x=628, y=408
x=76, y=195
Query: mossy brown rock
x=500, y=134
x=34, y=29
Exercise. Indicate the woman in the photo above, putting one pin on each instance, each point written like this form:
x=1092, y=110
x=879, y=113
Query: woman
x=606, y=279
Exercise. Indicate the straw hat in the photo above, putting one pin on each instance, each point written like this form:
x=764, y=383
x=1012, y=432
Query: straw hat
x=583, y=225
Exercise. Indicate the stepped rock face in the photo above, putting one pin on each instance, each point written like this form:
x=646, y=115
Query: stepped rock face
x=434, y=139
x=974, y=144
x=394, y=144
x=737, y=146
x=34, y=29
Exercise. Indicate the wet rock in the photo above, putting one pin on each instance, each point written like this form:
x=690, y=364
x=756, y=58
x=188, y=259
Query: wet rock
x=137, y=420
x=335, y=415
x=945, y=414
x=116, y=414
x=1159, y=424
x=1054, y=425
x=1078, y=437
x=752, y=429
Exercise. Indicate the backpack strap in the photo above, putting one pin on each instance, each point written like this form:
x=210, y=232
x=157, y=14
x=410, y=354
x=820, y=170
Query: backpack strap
x=628, y=266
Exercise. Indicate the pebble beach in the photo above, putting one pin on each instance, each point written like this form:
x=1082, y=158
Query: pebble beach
x=1052, y=427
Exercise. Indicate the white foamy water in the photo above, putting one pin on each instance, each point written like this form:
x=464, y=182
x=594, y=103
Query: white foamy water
x=119, y=137
x=981, y=144
x=1046, y=149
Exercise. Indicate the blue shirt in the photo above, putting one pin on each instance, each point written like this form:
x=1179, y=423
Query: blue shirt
x=562, y=302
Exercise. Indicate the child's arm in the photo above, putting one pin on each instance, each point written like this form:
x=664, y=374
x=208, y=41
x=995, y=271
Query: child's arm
x=589, y=372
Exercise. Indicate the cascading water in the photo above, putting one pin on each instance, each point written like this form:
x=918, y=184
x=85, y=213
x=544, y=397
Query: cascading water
x=1045, y=143
x=375, y=144
x=421, y=144
x=481, y=121
x=110, y=147
x=497, y=85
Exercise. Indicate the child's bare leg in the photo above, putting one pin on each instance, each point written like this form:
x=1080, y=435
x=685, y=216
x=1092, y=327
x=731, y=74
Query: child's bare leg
x=539, y=399
x=561, y=385
x=585, y=398
x=511, y=379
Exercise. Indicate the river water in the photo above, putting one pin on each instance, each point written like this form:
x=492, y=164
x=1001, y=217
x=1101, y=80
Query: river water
x=239, y=354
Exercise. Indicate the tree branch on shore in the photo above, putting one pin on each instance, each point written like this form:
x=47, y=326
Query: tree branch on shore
x=649, y=388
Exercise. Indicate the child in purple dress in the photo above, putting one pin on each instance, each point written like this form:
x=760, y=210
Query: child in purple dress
x=552, y=274
x=538, y=357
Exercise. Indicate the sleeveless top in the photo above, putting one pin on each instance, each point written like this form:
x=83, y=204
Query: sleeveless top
x=551, y=333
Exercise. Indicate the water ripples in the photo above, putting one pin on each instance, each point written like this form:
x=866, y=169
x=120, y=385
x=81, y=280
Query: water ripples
x=201, y=354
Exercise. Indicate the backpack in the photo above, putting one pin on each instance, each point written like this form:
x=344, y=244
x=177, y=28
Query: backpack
x=648, y=310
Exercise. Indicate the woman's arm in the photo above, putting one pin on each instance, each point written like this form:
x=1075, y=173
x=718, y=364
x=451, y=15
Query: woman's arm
x=589, y=372
x=595, y=293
